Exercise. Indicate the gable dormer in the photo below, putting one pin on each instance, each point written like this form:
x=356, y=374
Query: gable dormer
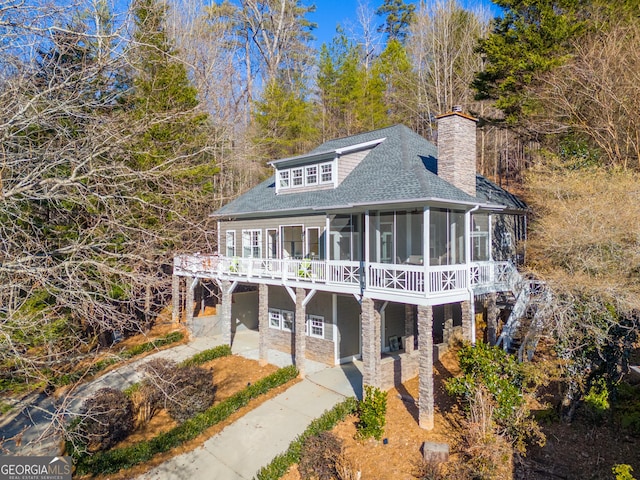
x=321, y=170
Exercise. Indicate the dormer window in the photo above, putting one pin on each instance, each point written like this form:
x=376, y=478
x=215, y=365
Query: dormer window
x=326, y=173
x=296, y=177
x=311, y=175
x=315, y=175
x=284, y=178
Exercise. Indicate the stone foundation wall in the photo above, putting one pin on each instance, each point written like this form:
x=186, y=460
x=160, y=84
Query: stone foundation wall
x=397, y=369
x=317, y=349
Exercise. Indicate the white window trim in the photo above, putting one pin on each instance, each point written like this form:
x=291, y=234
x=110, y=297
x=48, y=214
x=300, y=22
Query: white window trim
x=309, y=326
x=247, y=242
x=275, y=314
x=285, y=177
x=320, y=173
x=278, y=316
x=283, y=314
x=231, y=234
x=308, y=174
x=295, y=176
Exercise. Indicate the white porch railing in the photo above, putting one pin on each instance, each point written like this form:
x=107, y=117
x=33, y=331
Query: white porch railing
x=406, y=279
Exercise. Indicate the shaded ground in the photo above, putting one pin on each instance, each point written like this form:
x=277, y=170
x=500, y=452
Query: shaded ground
x=398, y=458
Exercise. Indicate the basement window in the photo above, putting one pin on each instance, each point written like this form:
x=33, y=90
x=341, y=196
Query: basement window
x=315, y=326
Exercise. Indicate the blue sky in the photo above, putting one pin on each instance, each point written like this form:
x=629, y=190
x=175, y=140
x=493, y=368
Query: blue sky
x=331, y=12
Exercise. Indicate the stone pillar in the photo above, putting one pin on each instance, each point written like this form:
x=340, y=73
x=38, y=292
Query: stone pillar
x=371, y=338
x=190, y=306
x=425, y=348
x=263, y=323
x=175, y=298
x=467, y=319
x=225, y=311
x=492, y=318
x=300, y=334
x=447, y=331
x=409, y=315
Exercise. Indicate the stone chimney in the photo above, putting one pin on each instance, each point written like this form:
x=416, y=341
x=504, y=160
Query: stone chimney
x=457, y=150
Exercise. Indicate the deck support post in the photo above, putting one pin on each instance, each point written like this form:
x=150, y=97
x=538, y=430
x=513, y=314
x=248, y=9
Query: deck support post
x=492, y=318
x=175, y=298
x=192, y=283
x=299, y=331
x=425, y=348
x=371, y=340
x=468, y=320
x=263, y=323
x=226, y=289
x=447, y=332
x=409, y=317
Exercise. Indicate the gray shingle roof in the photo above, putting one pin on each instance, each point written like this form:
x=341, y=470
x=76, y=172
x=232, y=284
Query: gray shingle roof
x=398, y=169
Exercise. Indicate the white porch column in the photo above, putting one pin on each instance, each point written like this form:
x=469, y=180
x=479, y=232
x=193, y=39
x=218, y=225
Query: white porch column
x=426, y=255
x=425, y=348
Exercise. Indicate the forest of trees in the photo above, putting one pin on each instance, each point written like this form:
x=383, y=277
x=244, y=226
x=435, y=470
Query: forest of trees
x=123, y=129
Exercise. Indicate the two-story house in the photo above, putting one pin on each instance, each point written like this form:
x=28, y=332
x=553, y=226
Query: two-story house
x=373, y=246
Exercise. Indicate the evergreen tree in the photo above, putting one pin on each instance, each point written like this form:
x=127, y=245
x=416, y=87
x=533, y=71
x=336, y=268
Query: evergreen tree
x=532, y=37
x=352, y=98
x=286, y=121
x=398, y=18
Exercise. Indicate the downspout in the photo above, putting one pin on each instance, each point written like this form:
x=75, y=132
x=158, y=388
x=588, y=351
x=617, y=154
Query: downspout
x=468, y=258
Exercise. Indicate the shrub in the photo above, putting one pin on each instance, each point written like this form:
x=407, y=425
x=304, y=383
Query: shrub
x=372, y=411
x=597, y=400
x=499, y=375
x=184, y=391
x=319, y=455
x=207, y=355
x=106, y=419
x=117, y=459
x=280, y=464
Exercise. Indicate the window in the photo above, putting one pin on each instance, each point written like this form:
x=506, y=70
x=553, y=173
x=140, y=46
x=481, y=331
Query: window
x=315, y=326
x=231, y=243
x=287, y=321
x=281, y=320
x=312, y=175
x=284, y=178
x=252, y=243
x=296, y=177
x=275, y=318
x=307, y=175
x=326, y=173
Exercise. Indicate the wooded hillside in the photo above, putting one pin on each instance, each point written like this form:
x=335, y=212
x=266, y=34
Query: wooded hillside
x=122, y=130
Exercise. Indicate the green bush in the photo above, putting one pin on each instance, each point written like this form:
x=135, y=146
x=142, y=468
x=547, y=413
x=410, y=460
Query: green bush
x=167, y=339
x=490, y=368
x=117, y=459
x=372, y=411
x=329, y=419
x=207, y=355
x=596, y=400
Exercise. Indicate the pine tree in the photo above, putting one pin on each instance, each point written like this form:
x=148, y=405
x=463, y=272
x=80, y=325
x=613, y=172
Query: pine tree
x=398, y=18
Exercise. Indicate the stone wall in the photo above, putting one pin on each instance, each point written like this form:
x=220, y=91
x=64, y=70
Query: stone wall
x=457, y=151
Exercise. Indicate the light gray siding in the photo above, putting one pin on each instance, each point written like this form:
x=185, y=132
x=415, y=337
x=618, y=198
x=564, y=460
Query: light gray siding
x=348, y=162
x=348, y=326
